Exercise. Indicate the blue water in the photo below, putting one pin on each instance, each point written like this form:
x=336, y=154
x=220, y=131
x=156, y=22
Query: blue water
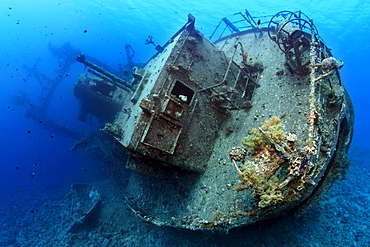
x=34, y=158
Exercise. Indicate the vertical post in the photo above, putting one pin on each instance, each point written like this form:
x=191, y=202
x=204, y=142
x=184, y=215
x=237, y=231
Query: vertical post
x=313, y=116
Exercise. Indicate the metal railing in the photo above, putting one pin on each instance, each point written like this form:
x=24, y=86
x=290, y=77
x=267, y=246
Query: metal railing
x=239, y=22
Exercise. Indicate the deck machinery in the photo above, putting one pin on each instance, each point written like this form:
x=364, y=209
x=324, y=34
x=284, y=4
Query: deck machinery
x=228, y=133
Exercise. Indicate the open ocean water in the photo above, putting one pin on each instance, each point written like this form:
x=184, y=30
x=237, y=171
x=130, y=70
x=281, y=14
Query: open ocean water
x=37, y=166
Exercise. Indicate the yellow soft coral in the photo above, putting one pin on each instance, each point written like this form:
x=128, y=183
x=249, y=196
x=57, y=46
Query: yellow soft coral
x=272, y=194
x=258, y=171
x=256, y=141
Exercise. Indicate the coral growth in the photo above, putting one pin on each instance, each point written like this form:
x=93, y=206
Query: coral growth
x=257, y=173
x=256, y=141
x=274, y=162
x=238, y=154
x=330, y=63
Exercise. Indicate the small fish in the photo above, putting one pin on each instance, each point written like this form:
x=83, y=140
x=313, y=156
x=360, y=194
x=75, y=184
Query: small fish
x=52, y=136
x=245, y=56
x=32, y=175
x=34, y=164
x=230, y=89
x=303, y=163
x=258, y=22
x=85, y=31
x=28, y=131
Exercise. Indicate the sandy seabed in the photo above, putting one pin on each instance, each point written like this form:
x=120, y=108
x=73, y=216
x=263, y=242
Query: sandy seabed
x=41, y=219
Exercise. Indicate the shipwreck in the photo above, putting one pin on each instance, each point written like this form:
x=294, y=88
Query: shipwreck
x=214, y=133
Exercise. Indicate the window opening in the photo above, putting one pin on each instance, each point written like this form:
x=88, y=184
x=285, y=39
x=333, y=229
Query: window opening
x=182, y=92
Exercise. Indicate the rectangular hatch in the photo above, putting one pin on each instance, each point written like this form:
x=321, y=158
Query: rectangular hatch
x=161, y=134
